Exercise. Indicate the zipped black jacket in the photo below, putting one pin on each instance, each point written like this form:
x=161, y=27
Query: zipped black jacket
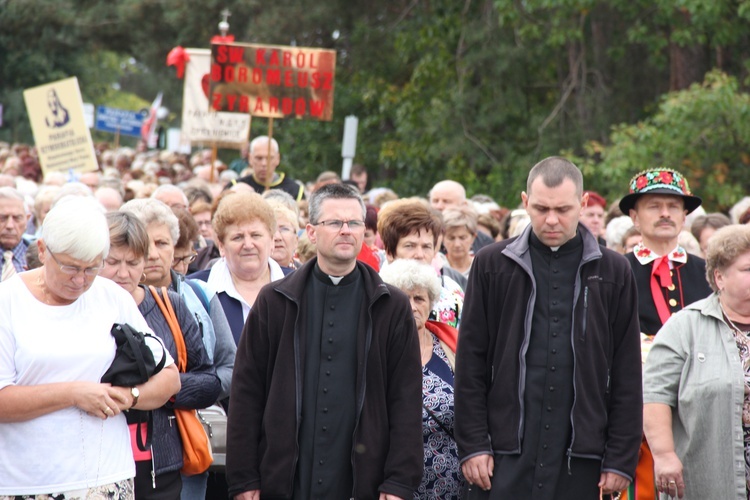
x=266, y=395
x=606, y=416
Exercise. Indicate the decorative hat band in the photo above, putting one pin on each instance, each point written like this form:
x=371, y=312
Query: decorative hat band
x=660, y=179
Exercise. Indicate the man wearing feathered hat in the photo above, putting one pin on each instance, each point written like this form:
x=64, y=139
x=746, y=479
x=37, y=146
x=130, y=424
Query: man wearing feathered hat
x=667, y=277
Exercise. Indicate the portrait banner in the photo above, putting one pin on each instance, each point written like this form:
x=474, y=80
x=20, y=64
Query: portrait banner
x=62, y=138
x=273, y=81
x=200, y=124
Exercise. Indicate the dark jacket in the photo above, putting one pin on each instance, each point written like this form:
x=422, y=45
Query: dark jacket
x=200, y=385
x=606, y=415
x=264, y=420
x=232, y=307
x=690, y=285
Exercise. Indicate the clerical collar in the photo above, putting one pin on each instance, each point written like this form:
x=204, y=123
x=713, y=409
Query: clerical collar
x=335, y=280
x=645, y=255
x=570, y=245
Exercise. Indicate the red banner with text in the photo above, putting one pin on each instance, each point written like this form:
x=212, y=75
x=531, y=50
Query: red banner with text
x=272, y=80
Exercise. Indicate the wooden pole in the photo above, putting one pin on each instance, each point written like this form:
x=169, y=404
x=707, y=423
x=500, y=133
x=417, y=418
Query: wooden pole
x=269, y=178
x=117, y=138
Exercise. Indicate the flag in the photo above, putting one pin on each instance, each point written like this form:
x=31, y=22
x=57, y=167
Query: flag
x=148, y=129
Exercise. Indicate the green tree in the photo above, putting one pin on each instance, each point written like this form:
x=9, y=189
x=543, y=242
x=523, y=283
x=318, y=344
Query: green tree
x=703, y=131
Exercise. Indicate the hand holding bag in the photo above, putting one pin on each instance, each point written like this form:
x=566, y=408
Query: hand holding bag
x=196, y=448
x=133, y=365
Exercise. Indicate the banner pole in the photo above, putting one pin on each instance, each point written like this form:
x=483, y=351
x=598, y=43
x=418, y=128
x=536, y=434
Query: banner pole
x=117, y=138
x=269, y=178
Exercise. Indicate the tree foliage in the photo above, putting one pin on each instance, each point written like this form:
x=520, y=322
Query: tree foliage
x=703, y=131
x=474, y=90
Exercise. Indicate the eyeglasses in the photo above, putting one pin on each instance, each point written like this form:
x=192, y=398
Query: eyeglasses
x=285, y=229
x=188, y=259
x=74, y=270
x=338, y=224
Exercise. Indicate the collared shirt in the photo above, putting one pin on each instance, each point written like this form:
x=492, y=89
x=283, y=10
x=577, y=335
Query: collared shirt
x=645, y=255
x=694, y=367
x=19, y=256
x=220, y=280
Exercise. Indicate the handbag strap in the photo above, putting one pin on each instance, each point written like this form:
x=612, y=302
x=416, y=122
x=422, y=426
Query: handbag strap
x=437, y=421
x=168, y=311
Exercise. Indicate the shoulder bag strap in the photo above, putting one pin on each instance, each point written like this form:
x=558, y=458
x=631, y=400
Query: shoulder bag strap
x=165, y=306
x=437, y=421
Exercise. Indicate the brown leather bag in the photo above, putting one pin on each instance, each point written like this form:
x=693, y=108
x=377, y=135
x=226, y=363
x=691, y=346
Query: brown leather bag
x=196, y=448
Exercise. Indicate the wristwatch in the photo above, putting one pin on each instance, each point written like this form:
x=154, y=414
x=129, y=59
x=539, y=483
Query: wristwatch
x=136, y=394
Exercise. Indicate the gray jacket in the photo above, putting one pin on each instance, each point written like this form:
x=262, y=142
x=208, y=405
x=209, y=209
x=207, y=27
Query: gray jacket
x=695, y=368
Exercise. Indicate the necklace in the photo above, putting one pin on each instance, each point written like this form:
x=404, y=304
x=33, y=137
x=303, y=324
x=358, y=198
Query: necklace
x=731, y=323
x=43, y=287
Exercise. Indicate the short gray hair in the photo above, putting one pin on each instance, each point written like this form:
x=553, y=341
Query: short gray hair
x=279, y=196
x=264, y=138
x=409, y=275
x=333, y=192
x=553, y=171
x=170, y=188
x=77, y=227
x=10, y=193
x=150, y=211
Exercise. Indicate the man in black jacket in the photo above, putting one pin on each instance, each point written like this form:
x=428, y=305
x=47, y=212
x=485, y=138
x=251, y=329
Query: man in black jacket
x=548, y=372
x=264, y=158
x=326, y=394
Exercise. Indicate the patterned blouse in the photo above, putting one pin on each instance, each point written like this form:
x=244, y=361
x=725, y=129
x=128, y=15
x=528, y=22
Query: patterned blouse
x=741, y=332
x=442, y=474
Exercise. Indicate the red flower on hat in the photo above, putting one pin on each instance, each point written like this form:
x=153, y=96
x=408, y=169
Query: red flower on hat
x=665, y=177
x=683, y=185
x=641, y=182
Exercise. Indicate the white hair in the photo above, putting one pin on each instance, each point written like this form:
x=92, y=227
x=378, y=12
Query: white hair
x=738, y=209
x=263, y=139
x=76, y=226
x=169, y=188
x=150, y=211
x=73, y=189
x=409, y=275
x=616, y=229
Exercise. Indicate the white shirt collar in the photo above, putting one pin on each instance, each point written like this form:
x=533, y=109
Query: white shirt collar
x=645, y=255
x=220, y=280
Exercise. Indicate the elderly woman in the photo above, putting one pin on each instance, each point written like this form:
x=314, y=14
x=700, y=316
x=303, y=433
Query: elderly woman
x=244, y=224
x=63, y=433
x=442, y=476
x=697, y=383
x=460, y=232
x=410, y=230
x=158, y=469
x=285, y=238
x=163, y=229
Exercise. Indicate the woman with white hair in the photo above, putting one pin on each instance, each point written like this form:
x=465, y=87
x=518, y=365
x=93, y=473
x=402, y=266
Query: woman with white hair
x=63, y=432
x=442, y=476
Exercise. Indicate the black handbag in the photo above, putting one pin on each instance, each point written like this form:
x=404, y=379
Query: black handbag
x=134, y=362
x=133, y=365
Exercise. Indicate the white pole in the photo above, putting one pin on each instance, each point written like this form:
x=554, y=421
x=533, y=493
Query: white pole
x=349, y=145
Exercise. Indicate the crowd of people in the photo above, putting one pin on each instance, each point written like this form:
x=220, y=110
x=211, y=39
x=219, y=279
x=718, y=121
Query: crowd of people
x=569, y=348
